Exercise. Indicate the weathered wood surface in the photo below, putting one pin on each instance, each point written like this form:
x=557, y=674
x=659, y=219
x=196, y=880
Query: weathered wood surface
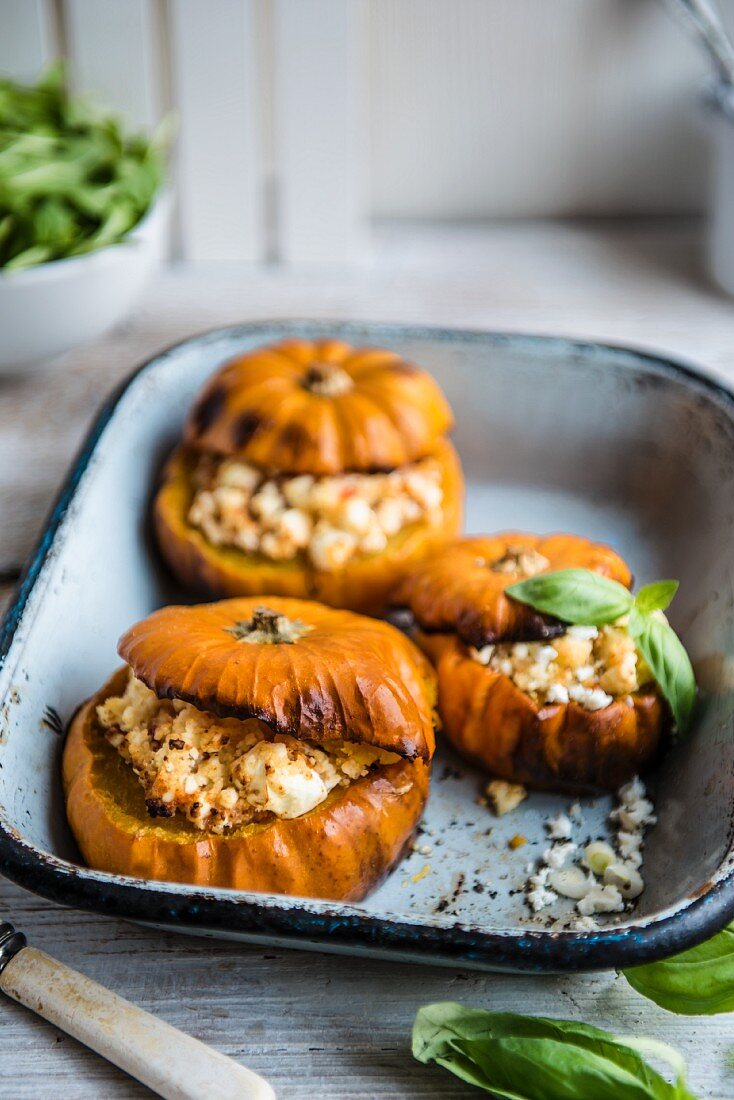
x=321, y=1025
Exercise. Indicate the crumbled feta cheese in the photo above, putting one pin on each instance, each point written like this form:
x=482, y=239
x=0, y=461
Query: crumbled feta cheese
x=331, y=519
x=629, y=845
x=504, y=797
x=611, y=877
x=556, y=693
x=632, y=792
x=586, y=666
x=297, y=490
x=585, y=924
x=586, y=633
x=545, y=654
x=559, y=853
x=355, y=515
x=638, y=815
x=540, y=878
x=222, y=772
x=559, y=828
x=600, y=899
x=331, y=548
x=267, y=502
x=278, y=783
x=589, y=698
x=483, y=655
x=539, y=898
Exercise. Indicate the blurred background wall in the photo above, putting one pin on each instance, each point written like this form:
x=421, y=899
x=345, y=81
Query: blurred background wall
x=302, y=121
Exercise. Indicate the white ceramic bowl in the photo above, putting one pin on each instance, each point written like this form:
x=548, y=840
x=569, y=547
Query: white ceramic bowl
x=52, y=308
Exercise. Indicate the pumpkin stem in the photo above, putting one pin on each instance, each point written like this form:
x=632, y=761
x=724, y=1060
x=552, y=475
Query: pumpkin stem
x=267, y=627
x=327, y=380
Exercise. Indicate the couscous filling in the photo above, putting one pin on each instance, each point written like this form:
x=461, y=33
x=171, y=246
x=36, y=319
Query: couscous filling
x=329, y=519
x=222, y=772
x=587, y=665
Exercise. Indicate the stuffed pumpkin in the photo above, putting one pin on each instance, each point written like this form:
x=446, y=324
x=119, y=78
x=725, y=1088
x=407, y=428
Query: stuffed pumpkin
x=311, y=469
x=528, y=698
x=282, y=748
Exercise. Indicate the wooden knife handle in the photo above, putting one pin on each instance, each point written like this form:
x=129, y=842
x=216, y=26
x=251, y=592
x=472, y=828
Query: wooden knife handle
x=173, y=1064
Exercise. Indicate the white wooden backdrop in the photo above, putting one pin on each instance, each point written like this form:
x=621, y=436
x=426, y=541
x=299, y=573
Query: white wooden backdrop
x=302, y=120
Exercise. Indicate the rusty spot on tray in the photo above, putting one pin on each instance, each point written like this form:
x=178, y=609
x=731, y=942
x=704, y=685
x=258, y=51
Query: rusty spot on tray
x=703, y=889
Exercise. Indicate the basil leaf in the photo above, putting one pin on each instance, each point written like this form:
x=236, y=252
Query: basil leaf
x=575, y=596
x=670, y=664
x=519, y=1057
x=657, y=596
x=697, y=982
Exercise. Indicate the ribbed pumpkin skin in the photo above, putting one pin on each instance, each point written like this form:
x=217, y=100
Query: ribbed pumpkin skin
x=456, y=591
x=257, y=408
x=341, y=850
x=349, y=677
x=367, y=583
x=559, y=746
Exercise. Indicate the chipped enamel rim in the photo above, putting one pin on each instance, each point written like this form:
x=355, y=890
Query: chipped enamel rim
x=323, y=925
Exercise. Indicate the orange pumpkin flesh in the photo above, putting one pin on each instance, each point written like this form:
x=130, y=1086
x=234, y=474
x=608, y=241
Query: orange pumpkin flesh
x=366, y=583
x=338, y=676
x=460, y=590
x=554, y=746
x=319, y=407
x=340, y=850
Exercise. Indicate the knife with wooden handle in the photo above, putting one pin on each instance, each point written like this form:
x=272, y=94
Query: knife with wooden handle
x=175, y=1065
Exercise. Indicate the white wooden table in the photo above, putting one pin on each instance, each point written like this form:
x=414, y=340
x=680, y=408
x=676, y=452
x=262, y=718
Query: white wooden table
x=321, y=1025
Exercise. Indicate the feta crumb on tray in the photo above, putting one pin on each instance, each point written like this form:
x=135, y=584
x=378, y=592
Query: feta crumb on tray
x=603, y=877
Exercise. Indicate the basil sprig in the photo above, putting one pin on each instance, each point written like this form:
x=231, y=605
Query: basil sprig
x=586, y=598
x=518, y=1057
x=697, y=982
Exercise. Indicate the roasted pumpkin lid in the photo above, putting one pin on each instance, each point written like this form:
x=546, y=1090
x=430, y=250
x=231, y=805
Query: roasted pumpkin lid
x=310, y=671
x=461, y=589
x=319, y=407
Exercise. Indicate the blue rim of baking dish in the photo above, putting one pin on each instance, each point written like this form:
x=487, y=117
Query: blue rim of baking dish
x=295, y=921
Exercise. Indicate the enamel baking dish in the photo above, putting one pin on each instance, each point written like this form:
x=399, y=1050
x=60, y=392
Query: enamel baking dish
x=554, y=435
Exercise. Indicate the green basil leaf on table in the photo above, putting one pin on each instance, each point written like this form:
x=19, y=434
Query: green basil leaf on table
x=670, y=664
x=575, y=596
x=697, y=982
x=518, y=1057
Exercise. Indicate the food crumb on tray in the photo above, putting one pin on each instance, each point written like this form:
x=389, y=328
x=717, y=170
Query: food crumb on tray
x=504, y=797
x=599, y=877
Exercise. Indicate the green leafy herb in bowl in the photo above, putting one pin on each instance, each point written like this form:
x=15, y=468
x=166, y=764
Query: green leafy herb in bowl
x=83, y=221
x=71, y=180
